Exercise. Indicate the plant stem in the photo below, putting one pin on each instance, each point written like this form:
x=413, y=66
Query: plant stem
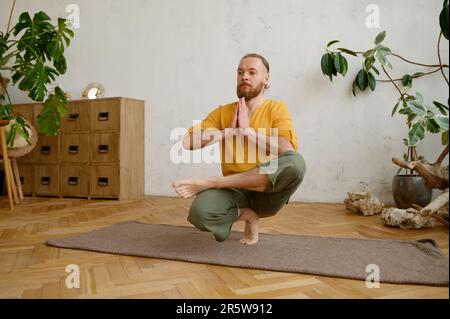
x=393, y=82
x=413, y=76
x=421, y=64
x=412, y=62
x=439, y=57
x=10, y=16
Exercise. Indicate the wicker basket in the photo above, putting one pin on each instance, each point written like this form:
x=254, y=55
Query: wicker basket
x=21, y=151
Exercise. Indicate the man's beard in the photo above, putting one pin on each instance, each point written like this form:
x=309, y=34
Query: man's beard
x=249, y=94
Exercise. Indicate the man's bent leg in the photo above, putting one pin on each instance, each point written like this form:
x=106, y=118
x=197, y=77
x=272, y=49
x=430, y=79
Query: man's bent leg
x=252, y=180
x=215, y=210
x=283, y=183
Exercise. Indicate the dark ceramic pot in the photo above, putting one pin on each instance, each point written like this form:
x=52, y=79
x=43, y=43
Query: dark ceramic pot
x=408, y=190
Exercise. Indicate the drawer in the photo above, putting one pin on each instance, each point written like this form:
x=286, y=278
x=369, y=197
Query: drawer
x=46, y=179
x=105, y=115
x=26, y=178
x=47, y=150
x=74, y=180
x=104, y=180
x=74, y=148
x=77, y=117
x=104, y=147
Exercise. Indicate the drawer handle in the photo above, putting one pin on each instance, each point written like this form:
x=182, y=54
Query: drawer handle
x=45, y=150
x=103, y=181
x=103, y=148
x=72, y=180
x=73, y=116
x=22, y=180
x=45, y=180
x=103, y=116
x=73, y=149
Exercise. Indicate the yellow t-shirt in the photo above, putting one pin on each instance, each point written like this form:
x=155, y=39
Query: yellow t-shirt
x=237, y=155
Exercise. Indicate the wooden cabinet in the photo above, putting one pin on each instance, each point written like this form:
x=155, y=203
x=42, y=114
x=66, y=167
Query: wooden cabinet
x=98, y=154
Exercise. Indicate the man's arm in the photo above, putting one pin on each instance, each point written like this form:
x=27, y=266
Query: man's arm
x=272, y=144
x=199, y=139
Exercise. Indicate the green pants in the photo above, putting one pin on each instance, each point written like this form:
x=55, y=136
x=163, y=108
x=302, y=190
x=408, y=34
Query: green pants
x=216, y=209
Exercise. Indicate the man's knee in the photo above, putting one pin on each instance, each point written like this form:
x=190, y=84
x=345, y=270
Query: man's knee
x=197, y=215
x=295, y=172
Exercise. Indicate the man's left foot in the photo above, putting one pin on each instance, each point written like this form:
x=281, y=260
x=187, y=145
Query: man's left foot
x=188, y=188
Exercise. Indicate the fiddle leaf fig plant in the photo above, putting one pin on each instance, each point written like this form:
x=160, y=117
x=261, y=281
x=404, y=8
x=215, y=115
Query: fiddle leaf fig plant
x=32, y=51
x=421, y=118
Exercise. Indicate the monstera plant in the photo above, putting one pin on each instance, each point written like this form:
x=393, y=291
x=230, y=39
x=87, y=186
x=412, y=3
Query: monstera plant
x=421, y=117
x=32, y=53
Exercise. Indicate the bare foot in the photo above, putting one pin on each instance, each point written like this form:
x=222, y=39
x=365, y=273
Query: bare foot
x=251, y=226
x=188, y=188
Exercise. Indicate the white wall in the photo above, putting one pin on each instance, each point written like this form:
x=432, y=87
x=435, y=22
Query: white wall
x=181, y=56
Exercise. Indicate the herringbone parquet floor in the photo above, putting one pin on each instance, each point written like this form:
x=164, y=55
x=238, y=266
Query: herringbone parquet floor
x=30, y=269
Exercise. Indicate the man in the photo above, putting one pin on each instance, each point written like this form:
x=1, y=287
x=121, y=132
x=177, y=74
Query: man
x=251, y=189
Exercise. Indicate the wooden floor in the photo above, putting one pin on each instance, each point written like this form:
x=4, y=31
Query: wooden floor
x=30, y=269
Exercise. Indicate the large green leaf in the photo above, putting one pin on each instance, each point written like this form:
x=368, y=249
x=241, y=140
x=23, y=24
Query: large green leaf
x=55, y=108
x=418, y=108
x=444, y=138
x=432, y=126
x=441, y=107
x=381, y=53
x=380, y=37
x=362, y=80
x=442, y=120
x=331, y=43
x=347, y=51
x=344, y=64
x=369, y=53
x=340, y=63
x=416, y=133
x=371, y=80
x=395, y=108
x=3, y=47
x=368, y=63
x=34, y=82
x=327, y=65
x=407, y=80
x=444, y=19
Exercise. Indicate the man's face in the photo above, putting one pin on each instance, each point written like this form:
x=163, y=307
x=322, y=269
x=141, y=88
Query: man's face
x=252, y=76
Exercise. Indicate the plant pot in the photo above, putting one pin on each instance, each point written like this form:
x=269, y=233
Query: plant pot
x=408, y=190
x=20, y=145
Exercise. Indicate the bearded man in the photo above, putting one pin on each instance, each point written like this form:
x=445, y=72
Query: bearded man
x=258, y=178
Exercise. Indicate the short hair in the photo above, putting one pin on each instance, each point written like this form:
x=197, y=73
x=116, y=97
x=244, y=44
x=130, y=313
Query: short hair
x=256, y=55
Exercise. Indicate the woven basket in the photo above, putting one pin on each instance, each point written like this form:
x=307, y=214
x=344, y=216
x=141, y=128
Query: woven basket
x=19, y=152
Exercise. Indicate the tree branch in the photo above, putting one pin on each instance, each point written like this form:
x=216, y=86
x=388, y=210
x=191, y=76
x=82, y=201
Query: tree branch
x=393, y=82
x=441, y=157
x=413, y=76
x=439, y=57
x=10, y=16
x=421, y=64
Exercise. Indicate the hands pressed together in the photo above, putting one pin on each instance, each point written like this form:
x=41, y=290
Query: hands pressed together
x=241, y=118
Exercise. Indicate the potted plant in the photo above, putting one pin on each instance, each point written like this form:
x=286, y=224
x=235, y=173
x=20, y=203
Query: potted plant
x=409, y=188
x=32, y=52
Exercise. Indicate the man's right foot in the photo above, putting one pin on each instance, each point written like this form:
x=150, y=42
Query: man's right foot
x=251, y=226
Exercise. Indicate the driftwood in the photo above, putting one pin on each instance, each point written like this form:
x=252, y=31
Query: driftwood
x=364, y=203
x=436, y=177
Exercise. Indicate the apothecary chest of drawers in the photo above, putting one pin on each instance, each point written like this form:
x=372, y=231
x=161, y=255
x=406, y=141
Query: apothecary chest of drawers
x=98, y=154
